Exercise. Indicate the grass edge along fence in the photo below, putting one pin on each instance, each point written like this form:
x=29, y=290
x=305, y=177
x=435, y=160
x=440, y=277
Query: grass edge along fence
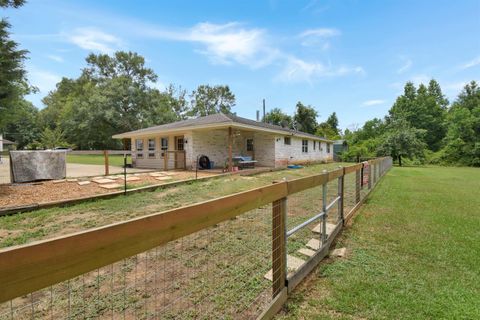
x=28, y=268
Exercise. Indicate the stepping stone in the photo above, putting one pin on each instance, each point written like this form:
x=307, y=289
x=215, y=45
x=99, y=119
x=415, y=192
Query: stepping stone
x=103, y=181
x=340, y=252
x=156, y=174
x=170, y=173
x=83, y=183
x=133, y=179
x=112, y=177
x=293, y=264
x=330, y=228
x=72, y=180
x=110, y=186
x=307, y=252
x=58, y=181
x=314, y=244
x=164, y=178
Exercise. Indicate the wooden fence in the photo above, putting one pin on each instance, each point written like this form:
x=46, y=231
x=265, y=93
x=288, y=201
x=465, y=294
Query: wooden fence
x=28, y=268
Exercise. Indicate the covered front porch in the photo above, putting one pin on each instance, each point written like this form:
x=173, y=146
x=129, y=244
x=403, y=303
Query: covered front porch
x=224, y=148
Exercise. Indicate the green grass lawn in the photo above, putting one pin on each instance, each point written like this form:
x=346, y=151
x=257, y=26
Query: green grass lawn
x=113, y=160
x=413, y=253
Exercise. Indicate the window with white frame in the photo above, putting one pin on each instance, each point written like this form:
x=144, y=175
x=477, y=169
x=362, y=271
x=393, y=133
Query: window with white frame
x=151, y=148
x=287, y=141
x=164, y=145
x=328, y=147
x=139, y=147
x=314, y=145
x=304, y=146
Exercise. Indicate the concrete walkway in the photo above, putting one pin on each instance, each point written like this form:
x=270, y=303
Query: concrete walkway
x=73, y=170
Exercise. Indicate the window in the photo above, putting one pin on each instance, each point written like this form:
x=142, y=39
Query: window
x=287, y=140
x=328, y=147
x=164, y=145
x=249, y=144
x=304, y=146
x=179, y=142
x=314, y=145
x=139, y=148
x=151, y=148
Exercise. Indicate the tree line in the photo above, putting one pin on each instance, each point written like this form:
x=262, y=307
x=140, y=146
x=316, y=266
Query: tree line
x=423, y=127
x=116, y=93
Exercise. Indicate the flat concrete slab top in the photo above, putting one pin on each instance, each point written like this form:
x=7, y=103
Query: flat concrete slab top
x=313, y=244
x=59, y=181
x=156, y=174
x=340, y=252
x=132, y=179
x=111, y=186
x=330, y=228
x=307, y=252
x=83, y=183
x=293, y=264
x=163, y=178
x=103, y=181
x=112, y=177
x=72, y=180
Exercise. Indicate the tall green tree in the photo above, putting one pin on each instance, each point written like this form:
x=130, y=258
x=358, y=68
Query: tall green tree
x=113, y=95
x=277, y=117
x=401, y=140
x=332, y=121
x=13, y=80
x=463, y=136
x=423, y=108
x=305, y=118
x=206, y=100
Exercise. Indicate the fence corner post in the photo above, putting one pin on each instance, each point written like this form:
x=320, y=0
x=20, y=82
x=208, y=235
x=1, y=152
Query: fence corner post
x=357, y=185
x=279, y=246
x=105, y=155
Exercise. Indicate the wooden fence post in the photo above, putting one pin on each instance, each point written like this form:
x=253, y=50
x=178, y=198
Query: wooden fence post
x=340, y=194
x=105, y=155
x=369, y=176
x=357, y=185
x=279, y=250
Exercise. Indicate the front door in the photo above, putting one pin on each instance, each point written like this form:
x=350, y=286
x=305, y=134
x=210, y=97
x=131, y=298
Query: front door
x=179, y=152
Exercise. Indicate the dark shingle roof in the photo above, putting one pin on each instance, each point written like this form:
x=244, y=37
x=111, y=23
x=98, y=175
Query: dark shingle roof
x=218, y=118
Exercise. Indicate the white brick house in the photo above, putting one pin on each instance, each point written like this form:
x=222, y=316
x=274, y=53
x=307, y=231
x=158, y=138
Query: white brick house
x=219, y=137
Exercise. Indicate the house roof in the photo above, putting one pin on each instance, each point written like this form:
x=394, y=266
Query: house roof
x=5, y=141
x=213, y=121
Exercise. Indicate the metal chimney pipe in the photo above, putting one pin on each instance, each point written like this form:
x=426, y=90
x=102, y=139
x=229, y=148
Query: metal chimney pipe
x=263, y=110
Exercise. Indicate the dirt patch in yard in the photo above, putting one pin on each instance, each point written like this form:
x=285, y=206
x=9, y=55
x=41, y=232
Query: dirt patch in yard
x=14, y=195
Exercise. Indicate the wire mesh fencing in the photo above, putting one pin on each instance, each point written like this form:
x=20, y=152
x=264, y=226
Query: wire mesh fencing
x=228, y=258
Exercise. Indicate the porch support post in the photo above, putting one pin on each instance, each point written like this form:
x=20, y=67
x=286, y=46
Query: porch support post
x=230, y=142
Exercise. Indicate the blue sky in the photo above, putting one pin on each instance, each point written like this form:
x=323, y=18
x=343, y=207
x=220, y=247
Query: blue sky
x=351, y=57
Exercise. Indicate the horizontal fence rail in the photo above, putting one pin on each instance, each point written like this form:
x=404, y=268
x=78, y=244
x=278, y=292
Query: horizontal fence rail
x=200, y=274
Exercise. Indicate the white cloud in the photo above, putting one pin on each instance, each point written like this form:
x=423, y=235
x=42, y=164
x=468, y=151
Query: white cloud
x=321, y=32
x=318, y=37
x=406, y=66
x=472, y=63
x=94, y=40
x=55, y=58
x=298, y=70
x=44, y=80
x=225, y=43
x=374, y=102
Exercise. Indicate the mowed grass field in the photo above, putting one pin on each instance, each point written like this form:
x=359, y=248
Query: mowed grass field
x=413, y=253
x=113, y=160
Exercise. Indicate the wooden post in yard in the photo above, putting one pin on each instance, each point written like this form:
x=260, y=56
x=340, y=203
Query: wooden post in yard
x=369, y=175
x=105, y=155
x=279, y=255
x=357, y=185
x=230, y=142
